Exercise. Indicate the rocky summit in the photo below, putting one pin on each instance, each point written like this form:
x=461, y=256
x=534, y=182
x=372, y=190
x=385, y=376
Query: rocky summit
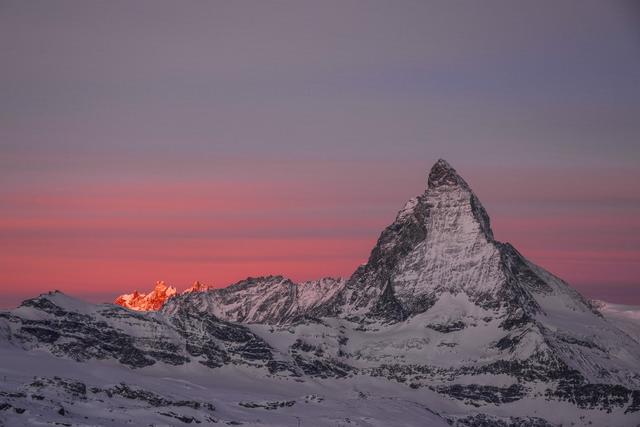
x=151, y=301
x=157, y=298
x=443, y=325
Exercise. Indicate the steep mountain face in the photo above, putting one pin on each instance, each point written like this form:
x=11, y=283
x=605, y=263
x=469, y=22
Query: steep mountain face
x=441, y=316
x=439, y=264
x=440, y=243
x=271, y=300
x=152, y=301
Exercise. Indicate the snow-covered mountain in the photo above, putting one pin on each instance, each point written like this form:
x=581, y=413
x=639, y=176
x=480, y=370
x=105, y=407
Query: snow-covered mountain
x=443, y=325
x=270, y=300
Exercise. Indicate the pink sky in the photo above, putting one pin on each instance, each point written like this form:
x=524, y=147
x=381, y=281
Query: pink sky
x=153, y=141
x=96, y=240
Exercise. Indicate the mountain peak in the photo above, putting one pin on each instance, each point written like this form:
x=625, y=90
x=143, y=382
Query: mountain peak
x=154, y=300
x=161, y=286
x=441, y=241
x=442, y=174
x=444, y=177
x=198, y=287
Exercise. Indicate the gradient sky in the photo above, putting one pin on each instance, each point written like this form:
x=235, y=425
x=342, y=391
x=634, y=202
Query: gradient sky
x=217, y=140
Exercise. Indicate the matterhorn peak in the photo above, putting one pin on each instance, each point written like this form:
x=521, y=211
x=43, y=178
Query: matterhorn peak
x=436, y=236
x=442, y=174
x=447, y=187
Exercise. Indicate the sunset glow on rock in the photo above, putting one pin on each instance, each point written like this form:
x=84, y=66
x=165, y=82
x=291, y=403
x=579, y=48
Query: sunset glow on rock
x=152, y=301
x=157, y=298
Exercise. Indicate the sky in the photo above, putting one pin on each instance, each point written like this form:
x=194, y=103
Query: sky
x=211, y=141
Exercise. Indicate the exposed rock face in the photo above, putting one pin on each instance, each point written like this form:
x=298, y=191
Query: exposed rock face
x=198, y=287
x=152, y=301
x=157, y=298
x=441, y=242
x=271, y=299
x=440, y=262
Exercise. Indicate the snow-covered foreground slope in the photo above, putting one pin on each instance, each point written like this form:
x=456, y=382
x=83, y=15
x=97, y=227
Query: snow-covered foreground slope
x=63, y=360
x=443, y=324
x=40, y=390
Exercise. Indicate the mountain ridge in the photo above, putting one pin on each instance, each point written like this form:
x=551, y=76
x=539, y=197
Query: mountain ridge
x=441, y=313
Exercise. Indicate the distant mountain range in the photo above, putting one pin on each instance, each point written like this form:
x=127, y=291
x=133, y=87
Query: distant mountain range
x=443, y=325
x=155, y=299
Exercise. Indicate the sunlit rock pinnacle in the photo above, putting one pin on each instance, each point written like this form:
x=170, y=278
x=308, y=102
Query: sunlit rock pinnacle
x=154, y=300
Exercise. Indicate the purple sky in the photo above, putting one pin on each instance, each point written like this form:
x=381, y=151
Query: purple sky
x=156, y=140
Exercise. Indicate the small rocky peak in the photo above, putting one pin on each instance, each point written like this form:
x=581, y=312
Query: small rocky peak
x=442, y=174
x=198, y=287
x=152, y=301
x=162, y=289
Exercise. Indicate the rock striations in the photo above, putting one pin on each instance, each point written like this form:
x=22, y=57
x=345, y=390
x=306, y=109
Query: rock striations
x=442, y=315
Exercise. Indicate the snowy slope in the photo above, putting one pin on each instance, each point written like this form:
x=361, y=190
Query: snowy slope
x=39, y=390
x=107, y=389
x=625, y=317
